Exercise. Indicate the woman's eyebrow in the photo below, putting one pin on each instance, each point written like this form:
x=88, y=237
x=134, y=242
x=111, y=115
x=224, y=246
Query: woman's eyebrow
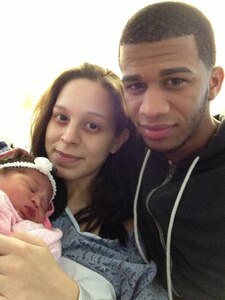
x=98, y=115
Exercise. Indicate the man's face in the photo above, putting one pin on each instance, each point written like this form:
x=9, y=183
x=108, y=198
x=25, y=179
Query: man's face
x=166, y=92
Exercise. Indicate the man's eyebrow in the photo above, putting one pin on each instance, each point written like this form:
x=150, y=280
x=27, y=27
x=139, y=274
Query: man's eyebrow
x=131, y=78
x=171, y=71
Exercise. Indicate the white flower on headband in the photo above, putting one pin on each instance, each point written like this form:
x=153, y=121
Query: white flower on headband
x=43, y=163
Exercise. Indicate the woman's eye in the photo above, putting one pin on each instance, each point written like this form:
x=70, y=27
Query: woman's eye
x=61, y=118
x=92, y=126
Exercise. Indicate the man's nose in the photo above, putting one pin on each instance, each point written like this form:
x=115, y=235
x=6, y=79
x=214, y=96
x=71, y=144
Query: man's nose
x=154, y=103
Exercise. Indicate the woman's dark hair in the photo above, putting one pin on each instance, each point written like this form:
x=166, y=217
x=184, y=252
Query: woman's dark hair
x=111, y=196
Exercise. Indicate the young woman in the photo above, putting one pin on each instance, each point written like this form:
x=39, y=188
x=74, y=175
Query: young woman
x=80, y=125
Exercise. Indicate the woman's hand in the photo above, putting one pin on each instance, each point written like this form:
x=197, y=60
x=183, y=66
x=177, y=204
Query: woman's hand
x=29, y=271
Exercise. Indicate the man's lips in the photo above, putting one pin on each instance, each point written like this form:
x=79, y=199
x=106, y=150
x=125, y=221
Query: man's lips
x=156, y=132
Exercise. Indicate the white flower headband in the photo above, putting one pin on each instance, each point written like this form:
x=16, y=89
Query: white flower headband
x=42, y=164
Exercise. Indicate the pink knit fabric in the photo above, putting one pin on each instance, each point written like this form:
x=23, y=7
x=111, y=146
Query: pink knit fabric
x=10, y=222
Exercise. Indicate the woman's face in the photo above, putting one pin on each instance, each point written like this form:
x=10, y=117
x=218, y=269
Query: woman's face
x=81, y=132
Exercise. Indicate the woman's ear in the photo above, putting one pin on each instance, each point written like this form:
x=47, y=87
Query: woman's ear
x=215, y=82
x=120, y=140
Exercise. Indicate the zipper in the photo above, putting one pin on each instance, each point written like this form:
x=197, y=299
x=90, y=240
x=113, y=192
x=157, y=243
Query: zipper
x=169, y=176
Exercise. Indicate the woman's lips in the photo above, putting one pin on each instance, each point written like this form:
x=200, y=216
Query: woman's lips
x=65, y=158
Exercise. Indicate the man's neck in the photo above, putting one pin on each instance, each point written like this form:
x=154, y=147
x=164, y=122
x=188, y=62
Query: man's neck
x=195, y=144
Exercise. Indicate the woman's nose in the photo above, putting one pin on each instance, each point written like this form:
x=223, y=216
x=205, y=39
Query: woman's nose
x=70, y=135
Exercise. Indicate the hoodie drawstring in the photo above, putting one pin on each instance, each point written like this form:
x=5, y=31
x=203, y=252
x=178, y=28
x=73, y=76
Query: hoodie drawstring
x=136, y=236
x=171, y=222
x=170, y=227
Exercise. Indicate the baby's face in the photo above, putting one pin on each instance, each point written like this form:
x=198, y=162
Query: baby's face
x=29, y=191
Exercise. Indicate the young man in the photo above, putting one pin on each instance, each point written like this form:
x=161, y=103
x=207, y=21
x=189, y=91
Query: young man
x=167, y=58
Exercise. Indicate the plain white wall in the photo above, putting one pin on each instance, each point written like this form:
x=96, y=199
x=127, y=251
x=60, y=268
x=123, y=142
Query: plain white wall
x=42, y=38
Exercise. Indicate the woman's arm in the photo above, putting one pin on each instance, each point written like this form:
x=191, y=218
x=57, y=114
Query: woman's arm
x=29, y=271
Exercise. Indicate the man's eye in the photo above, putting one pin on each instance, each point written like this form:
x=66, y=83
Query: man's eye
x=175, y=81
x=134, y=86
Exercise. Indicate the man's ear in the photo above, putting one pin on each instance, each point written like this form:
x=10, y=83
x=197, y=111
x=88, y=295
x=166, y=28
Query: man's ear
x=120, y=140
x=215, y=82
